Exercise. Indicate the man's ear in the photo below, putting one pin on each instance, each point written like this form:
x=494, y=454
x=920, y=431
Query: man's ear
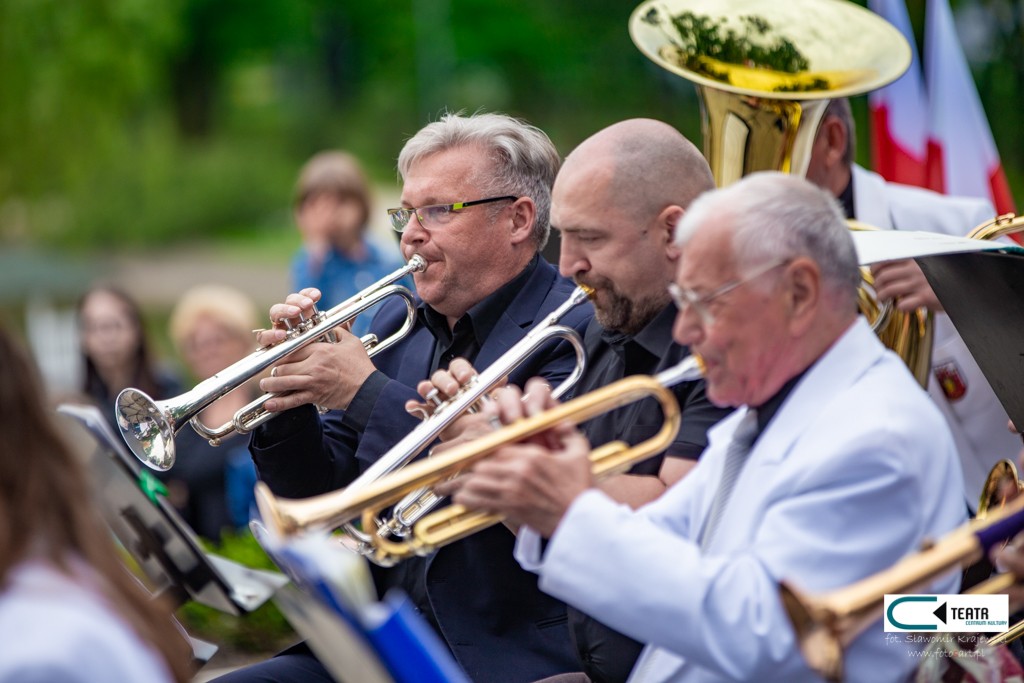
x=835, y=138
x=524, y=216
x=666, y=224
x=803, y=278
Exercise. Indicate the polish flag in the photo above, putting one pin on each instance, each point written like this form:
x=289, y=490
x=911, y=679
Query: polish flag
x=962, y=155
x=899, y=131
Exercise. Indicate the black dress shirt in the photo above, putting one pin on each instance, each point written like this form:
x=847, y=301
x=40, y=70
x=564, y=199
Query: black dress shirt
x=612, y=356
x=606, y=655
x=461, y=341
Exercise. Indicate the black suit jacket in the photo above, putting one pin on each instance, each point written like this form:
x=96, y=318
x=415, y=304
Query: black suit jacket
x=498, y=624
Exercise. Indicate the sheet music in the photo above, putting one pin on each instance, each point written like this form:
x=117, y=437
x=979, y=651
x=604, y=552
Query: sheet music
x=874, y=246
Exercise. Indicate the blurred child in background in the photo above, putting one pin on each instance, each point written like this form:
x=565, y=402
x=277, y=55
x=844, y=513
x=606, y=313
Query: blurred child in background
x=332, y=211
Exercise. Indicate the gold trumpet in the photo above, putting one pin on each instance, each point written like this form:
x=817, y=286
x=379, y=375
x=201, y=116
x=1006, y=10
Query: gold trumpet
x=826, y=624
x=1002, y=486
x=149, y=426
x=332, y=510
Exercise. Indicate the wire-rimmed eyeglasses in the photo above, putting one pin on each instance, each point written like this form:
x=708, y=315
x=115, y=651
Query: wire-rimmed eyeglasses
x=683, y=297
x=436, y=214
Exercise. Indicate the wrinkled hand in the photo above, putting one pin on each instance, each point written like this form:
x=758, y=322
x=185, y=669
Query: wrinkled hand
x=905, y=282
x=327, y=375
x=533, y=482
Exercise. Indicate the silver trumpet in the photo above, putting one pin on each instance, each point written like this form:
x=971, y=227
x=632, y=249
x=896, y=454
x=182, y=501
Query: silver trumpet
x=149, y=426
x=417, y=503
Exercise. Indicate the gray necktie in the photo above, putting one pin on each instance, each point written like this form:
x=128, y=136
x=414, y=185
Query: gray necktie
x=735, y=457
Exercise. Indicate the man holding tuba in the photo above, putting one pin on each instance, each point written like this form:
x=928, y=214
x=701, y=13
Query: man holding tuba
x=615, y=204
x=957, y=385
x=475, y=203
x=834, y=465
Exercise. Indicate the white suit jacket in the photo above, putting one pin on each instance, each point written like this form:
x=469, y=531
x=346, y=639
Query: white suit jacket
x=977, y=419
x=855, y=470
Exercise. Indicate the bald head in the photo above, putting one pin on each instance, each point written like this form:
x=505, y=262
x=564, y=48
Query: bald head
x=622, y=192
x=643, y=165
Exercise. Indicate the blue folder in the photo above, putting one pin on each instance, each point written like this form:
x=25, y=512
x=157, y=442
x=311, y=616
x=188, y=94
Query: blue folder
x=339, y=580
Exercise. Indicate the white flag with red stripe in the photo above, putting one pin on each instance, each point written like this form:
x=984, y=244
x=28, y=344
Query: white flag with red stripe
x=899, y=111
x=962, y=155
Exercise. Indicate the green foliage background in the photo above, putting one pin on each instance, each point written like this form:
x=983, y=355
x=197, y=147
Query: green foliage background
x=137, y=122
x=129, y=122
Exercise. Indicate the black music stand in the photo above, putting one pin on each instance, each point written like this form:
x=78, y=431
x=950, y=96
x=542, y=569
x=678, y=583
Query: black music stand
x=161, y=543
x=981, y=286
x=983, y=294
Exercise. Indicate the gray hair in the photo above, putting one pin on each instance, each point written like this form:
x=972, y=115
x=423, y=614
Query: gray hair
x=524, y=160
x=776, y=217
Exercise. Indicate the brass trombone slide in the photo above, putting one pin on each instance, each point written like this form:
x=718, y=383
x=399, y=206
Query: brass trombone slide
x=339, y=508
x=826, y=624
x=149, y=426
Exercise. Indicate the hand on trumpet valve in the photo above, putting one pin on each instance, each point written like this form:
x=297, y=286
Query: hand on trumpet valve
x=905, y=282
x=297, y=308
x=532, y=482
x=327, y=375
x=445, y=385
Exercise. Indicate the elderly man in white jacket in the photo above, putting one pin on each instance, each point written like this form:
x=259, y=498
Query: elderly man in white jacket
x=975, y=416
x=851, y=465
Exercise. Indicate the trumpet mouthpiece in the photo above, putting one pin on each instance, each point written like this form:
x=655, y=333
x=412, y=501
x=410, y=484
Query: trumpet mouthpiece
x=417, y=263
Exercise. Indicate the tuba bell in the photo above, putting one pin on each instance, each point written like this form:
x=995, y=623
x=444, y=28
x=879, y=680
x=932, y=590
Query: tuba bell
x=765, y=72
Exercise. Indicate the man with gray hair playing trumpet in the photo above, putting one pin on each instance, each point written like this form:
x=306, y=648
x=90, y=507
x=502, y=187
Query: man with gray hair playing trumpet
x=834, y=465
x=475, y=202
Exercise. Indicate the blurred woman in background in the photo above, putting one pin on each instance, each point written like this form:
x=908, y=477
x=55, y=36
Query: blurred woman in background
x=69, y=610
x=212, y=486
x=115, y=351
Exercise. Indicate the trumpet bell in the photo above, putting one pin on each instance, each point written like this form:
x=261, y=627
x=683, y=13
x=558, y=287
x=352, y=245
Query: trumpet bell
x=760, y=110
x=146, y=430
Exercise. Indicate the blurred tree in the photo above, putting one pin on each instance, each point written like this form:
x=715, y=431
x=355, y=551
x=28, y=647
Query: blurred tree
x=73, y=77
x=132, y=122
